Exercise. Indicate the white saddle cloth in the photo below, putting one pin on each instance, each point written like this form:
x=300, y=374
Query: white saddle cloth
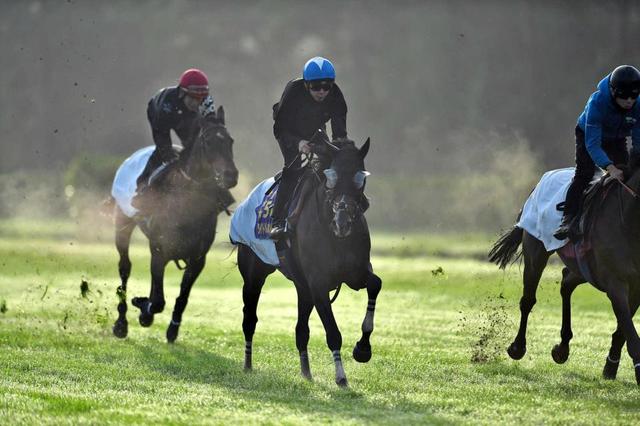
x=125, y=182
x=243, y=224
x=540, y=217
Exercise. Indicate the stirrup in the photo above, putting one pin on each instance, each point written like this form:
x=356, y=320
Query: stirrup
x=278, y=230
x=562, y=233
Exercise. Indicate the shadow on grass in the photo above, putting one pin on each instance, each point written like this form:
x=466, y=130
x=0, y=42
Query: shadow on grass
x=567, y=384
x=189, y=364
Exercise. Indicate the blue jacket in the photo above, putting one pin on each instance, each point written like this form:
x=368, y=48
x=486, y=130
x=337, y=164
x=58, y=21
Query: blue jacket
x=602, y=119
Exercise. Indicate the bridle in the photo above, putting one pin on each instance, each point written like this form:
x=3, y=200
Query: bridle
x=216, y=176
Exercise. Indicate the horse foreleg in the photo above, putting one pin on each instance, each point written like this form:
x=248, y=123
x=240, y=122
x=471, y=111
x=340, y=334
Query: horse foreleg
x=612, y=362
x=560, y=352
x=362, y=349
x=619, y=297
x=124, y=228
x=334, y=338
x=610, y=370
x=149, y=306
x=190, y=275
x=535, y=259
x=254, y=273
x=305, y=306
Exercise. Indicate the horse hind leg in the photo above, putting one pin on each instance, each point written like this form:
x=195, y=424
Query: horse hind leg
x=254, y=273
x=124, y=228
x=362, y=349
x=190, y=275
x=535, y=260
x=560, y=352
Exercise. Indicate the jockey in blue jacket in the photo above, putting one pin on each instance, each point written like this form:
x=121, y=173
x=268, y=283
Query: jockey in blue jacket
x=611, y=114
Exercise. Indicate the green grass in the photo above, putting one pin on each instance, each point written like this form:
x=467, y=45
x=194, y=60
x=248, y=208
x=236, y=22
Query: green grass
x=60, y=364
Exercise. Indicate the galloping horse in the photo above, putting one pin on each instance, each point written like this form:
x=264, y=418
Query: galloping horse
x=182, y=225
x=330, y=245
x=614, y=265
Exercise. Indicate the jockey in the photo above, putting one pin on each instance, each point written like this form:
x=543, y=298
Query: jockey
x=179, y=109
x=305, y=106
x=611, y=114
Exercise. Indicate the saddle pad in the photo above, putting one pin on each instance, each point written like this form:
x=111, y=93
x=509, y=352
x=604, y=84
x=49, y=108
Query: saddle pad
x=540, y=217
x=124, y=184
x=251, y=223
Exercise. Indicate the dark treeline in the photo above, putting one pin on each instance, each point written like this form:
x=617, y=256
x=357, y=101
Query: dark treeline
x=429, y=81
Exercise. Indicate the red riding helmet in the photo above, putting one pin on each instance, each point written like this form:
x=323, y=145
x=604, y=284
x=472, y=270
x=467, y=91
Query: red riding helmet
x=195, y=83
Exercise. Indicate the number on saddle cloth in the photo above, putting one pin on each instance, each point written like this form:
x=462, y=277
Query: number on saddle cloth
x=264, y=213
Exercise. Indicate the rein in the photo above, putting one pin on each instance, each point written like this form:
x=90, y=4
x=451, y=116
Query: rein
x=628, y=189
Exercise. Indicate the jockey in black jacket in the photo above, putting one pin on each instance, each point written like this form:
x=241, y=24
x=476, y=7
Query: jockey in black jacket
x=180, y=109
x=305, y=106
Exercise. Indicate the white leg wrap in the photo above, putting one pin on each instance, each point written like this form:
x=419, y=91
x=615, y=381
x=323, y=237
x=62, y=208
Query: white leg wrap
x=615, y=361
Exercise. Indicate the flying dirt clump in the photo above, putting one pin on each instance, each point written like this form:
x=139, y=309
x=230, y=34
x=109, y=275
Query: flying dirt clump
x=84, y=288
x=488, y=325
x=3, y=306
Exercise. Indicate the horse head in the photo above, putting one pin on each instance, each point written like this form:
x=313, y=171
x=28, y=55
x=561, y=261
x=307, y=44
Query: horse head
x=344, y=184
x=211, y=157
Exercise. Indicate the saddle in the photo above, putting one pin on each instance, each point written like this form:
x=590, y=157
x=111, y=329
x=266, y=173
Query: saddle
x=591, y=201
x=294, y=205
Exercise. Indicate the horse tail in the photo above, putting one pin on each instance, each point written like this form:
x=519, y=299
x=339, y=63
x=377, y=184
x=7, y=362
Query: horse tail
x=505, y=250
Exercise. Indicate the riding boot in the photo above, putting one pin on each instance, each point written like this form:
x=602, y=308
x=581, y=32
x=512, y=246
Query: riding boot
x=148, y=181
x=279, y=224
x=567, y=228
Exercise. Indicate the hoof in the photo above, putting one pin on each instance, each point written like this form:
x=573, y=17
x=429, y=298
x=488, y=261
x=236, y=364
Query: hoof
x=172, y=332
x=516, y=352
x=120, y=329
x=342, y=382
x=140, y=302
x=610, y=370
x=145, y=320
x=306, y=375
x=560, y=353
x=362, y=353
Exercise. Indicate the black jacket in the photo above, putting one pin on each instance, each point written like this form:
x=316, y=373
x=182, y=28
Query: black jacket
x=166, y=111
x=297, y=116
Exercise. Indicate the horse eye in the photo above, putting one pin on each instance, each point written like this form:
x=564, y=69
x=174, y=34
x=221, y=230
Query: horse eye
x=359, y=178
x=332, y=178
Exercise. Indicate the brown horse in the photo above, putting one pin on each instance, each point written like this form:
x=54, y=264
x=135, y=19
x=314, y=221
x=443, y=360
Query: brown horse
x=331, y=245
x=183, y=223
x=614, y=264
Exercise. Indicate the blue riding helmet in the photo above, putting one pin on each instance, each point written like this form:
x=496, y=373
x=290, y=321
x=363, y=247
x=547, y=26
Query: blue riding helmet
x=318, y=68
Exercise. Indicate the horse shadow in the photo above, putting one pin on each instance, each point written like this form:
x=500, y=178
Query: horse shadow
x=177, y=361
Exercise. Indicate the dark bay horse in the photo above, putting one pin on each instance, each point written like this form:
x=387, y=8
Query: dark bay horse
x=330, y=246
x=614, y=264
x=182, y=225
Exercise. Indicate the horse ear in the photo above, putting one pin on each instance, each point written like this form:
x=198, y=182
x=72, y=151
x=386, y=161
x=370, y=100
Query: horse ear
x=220, y=114
x=364, y=149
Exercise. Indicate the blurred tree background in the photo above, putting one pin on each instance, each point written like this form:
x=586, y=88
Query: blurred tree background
x=466, y=103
